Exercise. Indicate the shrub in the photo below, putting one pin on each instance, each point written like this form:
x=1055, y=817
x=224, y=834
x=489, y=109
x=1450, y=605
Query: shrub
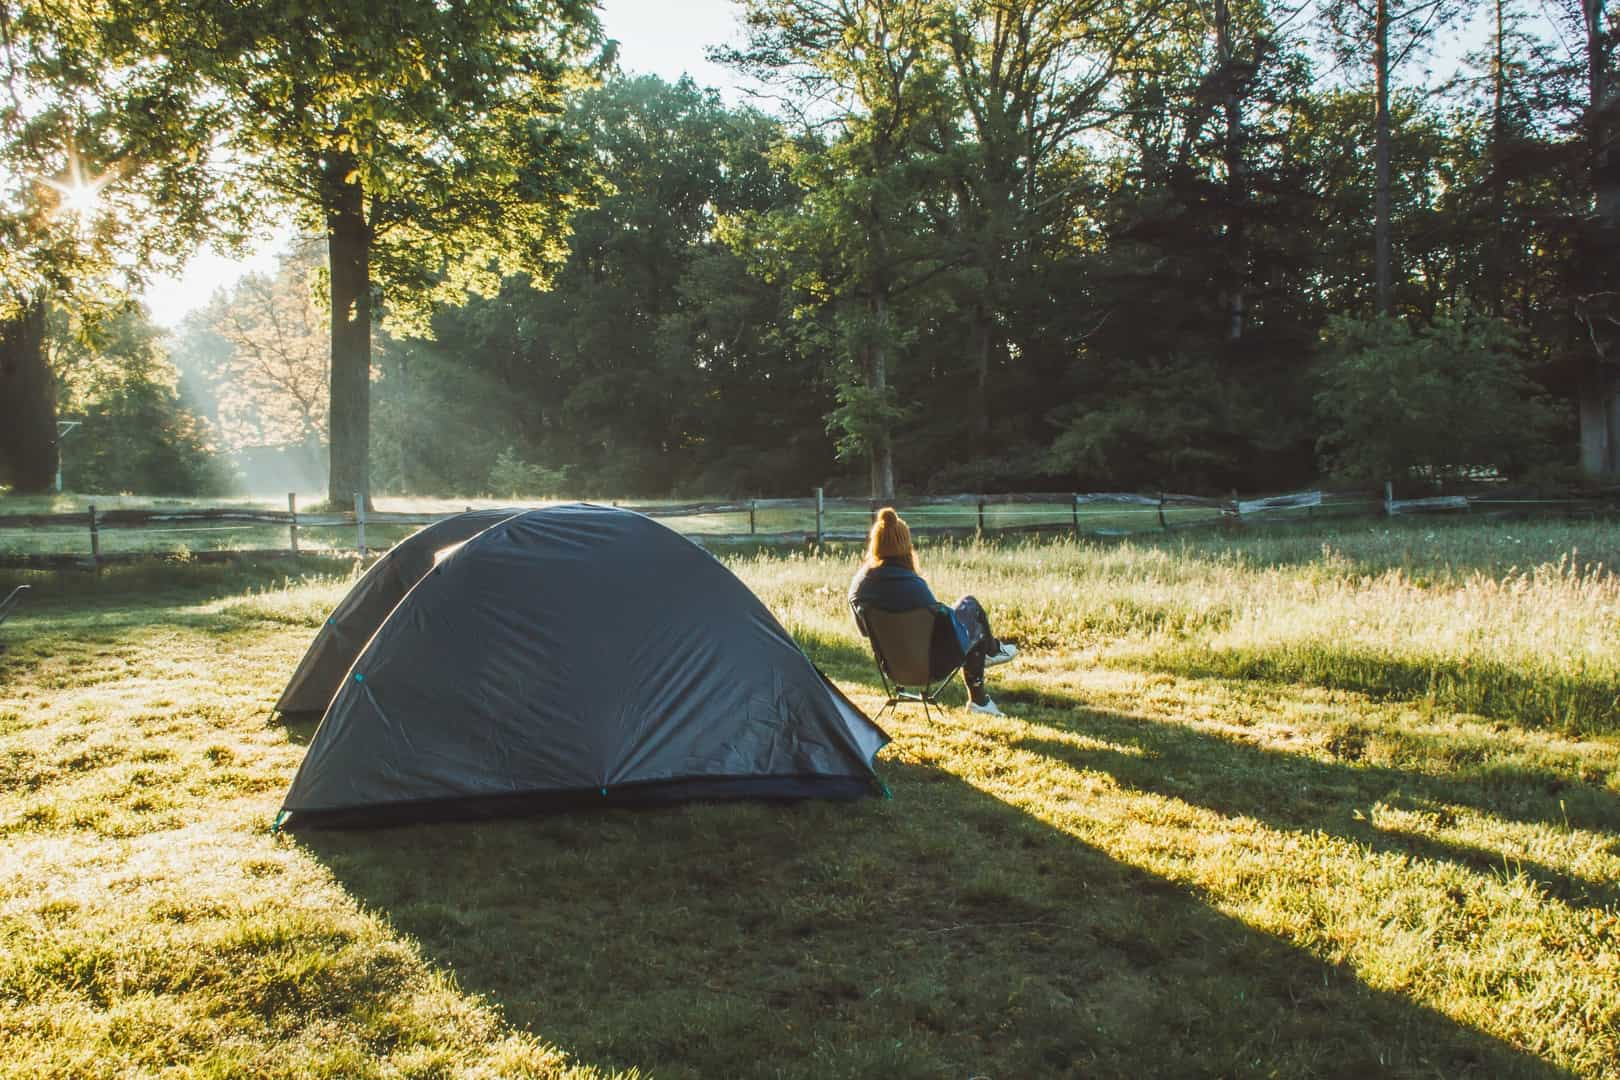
x=1442, y=401
x=512, y=476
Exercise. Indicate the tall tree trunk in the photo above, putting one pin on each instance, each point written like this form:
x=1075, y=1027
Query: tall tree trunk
x=407, y=432
x=1001, y=221
x=1600, y=311
x=1237, y=180
x=1597, y=429
x=1603, y=126
x=348, y=244
x=1381, y=229
x=1496, y=268
x=314, y=462
x=28, y=450
x=878, y=381
x=983, y=345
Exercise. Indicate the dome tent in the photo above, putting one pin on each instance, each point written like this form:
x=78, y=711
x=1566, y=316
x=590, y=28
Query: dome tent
x=367, y=604
x=577, y=655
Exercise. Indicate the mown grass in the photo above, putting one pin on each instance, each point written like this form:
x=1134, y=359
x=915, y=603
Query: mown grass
x=1307, y=804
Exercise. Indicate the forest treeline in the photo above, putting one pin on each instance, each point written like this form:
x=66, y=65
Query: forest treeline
x=991, y=245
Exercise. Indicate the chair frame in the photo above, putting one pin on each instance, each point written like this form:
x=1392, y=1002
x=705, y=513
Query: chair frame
x=11, y=601
x=927, y=694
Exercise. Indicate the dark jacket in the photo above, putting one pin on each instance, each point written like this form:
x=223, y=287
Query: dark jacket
x=893, y=586
x=890, y=586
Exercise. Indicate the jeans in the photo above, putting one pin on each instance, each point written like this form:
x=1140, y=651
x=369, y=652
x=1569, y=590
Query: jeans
x=978, y=642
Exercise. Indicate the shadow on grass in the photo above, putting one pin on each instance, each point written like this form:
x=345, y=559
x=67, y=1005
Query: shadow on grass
x=941, y=933
x=1575, y=704
x=1293, y=792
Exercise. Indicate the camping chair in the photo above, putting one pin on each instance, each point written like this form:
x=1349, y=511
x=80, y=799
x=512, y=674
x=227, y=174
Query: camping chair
x=916, y=652
x=8, y=603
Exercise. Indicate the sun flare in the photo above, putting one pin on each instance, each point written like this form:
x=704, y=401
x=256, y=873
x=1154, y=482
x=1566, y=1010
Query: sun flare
x=81, y=200
x=78, y=196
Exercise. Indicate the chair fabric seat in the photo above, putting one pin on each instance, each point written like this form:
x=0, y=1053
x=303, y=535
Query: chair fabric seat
x=916, y=651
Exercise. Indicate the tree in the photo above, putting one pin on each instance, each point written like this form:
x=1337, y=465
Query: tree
x=1200, y=265
x=1440, y=402
x=28, y=451
x=1561, y=123
x=105, y=175
x=137, y=433
x=1031, y=76
x=873, y=73
x=1391, y=31
x=655, y=362
x=262, y=352
x=421, y=138
x=1598, y=307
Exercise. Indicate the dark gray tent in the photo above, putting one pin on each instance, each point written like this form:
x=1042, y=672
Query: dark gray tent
x=378, y=592
x=578, y=654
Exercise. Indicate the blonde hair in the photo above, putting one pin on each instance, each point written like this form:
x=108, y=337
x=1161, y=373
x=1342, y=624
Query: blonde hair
x=890, y=539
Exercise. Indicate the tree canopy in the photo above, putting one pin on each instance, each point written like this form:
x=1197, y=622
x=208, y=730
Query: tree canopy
x=1037, y=244
x=106, y=177
x=419, y=138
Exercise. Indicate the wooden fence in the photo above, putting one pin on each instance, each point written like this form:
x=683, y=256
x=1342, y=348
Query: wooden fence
x=812, y=520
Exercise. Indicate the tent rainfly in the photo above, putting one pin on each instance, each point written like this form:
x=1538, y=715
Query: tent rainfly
x=575, y=655
x=378, y=592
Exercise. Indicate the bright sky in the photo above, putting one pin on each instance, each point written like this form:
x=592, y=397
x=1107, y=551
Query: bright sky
x=656, y=37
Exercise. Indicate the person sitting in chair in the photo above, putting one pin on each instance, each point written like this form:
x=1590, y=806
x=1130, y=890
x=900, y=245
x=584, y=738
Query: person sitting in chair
x=888, y=580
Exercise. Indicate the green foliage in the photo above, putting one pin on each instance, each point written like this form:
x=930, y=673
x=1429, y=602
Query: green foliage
x=136, y=434
x=982, y=244
x=513, y=477
x=1440, y=401
x=106, y=174
x=445, y=116
x=863, y=416
x=1160, y=429
x=654, y=363
x=141, y=437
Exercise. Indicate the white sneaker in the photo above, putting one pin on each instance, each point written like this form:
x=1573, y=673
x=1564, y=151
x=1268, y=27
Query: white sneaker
x=1007, y=652
x=988, y=708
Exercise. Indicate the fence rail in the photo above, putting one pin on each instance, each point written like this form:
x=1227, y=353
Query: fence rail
x=818, y=519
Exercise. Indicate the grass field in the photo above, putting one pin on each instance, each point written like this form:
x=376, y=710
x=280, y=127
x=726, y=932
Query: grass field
x=1318, y=803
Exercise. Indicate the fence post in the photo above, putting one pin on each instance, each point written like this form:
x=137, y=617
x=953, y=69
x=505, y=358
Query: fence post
x=1074, y=511
x=1163, y=524
x=751, y=503
x=292, y=528
x=95, y=539
x=1389, y=499
x=360, y=523
x=819, y=501
x=980, y=534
